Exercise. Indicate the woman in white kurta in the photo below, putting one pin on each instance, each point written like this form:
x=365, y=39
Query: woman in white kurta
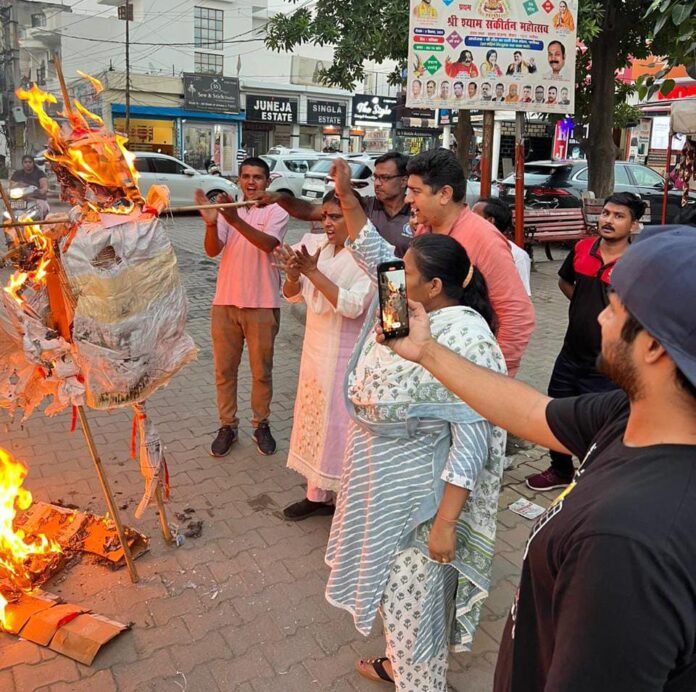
x=337, y=292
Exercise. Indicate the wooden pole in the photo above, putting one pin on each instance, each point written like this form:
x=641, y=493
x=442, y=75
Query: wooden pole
x=166, y=531
x=174, y=210
x=665, y=192
x=67, y=105
x=113, y=510
x=519, y=179
x=487, y=152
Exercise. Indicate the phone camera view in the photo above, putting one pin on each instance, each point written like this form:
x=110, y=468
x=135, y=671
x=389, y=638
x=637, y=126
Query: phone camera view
x=392, y=300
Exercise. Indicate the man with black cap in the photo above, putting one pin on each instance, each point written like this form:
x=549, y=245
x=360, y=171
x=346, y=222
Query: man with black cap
x=607, y=596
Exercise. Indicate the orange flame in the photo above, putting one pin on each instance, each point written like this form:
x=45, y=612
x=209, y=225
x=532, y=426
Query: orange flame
x=97, y=158
x=37, y=276
x=15, y=549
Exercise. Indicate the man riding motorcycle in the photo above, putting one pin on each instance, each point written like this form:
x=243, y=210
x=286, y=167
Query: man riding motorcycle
x=30, y=176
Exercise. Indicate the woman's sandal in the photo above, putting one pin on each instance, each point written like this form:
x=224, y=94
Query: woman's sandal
x=373, y=669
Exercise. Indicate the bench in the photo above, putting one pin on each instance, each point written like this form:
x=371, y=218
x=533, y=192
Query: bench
x=553, y=226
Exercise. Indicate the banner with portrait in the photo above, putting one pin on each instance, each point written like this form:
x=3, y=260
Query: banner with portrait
x=492, y=55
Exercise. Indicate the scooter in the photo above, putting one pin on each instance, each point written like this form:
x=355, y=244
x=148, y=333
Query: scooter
x=23, y=203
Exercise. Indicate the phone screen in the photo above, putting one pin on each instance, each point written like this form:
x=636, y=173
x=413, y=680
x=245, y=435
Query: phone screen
x=393, y=303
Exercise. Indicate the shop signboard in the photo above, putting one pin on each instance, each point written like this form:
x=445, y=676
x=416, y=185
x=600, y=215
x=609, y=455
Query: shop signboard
x=326, y=113
x=370, y=109
x=271, y=109
x=492, y=55
x=211, y=93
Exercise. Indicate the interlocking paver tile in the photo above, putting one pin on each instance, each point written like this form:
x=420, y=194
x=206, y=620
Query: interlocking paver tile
x=241, y=607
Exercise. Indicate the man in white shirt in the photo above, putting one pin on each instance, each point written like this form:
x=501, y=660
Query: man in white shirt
x=498, y=213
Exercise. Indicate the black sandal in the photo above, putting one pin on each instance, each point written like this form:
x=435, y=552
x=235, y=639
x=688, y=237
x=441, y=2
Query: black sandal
x=377, y=665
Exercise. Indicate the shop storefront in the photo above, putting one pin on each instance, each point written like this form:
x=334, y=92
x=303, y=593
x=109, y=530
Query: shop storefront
x=269, y=122
x=190, y=136
x=414, y=140
x=149, y=135
x=217, y=141
x=328, y=119
x=416, y=129
x=373, y=123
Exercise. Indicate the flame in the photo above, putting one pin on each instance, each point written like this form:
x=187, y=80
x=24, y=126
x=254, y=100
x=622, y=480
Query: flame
x=16, y=550
x=42, y=246
x=93, y=162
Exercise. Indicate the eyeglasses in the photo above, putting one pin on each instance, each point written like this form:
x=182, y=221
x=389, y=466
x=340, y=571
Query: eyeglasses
x=386, y=178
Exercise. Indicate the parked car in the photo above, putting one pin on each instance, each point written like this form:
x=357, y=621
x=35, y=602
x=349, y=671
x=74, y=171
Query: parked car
x=473, y=191
x=317, y=181
x=288, y=171
x=561, y=184
x=182, y=180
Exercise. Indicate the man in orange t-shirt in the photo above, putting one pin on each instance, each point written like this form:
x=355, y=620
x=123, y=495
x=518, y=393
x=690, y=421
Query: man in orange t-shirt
x=436, y=190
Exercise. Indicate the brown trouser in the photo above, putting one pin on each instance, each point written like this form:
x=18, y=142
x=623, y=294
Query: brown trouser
x=230, y=326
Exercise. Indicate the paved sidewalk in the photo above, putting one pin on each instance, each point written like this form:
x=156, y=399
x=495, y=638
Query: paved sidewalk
x=241, y=607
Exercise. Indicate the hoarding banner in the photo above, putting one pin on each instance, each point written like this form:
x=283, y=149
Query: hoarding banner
x=211, y=93
x=492, y=55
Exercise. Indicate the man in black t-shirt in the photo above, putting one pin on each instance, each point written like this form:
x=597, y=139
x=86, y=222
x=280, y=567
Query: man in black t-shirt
x=607, y=596
x=584, y=279
x=31, y=174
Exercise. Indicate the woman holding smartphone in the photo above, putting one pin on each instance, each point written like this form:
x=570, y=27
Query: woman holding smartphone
x=337, y=292
x=414, y=529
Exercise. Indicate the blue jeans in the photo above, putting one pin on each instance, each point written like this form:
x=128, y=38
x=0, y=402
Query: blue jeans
x=572, y=379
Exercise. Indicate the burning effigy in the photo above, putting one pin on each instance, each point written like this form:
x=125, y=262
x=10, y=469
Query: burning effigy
x=95, y=313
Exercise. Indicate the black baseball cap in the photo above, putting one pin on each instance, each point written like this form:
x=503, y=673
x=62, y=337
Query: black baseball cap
x=656, y=282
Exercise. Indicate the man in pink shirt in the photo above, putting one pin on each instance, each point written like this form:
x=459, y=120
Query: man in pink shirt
x=436, y=190
x=246, y=304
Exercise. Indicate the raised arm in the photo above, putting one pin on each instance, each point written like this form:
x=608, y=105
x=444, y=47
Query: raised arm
x=504, y=401
x=350, y=206
x=211, y=243
x=297, y=208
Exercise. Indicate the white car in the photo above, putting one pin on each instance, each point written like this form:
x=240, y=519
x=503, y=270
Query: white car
x=182, y=180
x=288, y=170
x=473, y=191
x=317, y=182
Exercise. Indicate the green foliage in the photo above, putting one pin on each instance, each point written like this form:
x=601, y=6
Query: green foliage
x=358, y=30
x=674, y=31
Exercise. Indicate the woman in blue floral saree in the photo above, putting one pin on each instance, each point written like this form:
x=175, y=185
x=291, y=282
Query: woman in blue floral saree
x=414, y=529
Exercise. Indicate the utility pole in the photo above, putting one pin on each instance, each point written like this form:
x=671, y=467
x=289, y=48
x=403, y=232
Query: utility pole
x=126, y=12
x=10, y=68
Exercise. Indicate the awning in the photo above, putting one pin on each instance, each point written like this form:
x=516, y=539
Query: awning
x=684, y=117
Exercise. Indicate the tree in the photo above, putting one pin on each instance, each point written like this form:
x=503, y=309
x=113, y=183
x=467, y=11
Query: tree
x=612, y=31
x=360, y=31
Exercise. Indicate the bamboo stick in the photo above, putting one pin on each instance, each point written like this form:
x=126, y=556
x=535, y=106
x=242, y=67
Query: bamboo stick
x=166, y=531
x=113, y=509
x=174, y=210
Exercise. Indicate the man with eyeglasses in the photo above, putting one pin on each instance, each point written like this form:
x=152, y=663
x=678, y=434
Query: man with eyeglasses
x=387, y=209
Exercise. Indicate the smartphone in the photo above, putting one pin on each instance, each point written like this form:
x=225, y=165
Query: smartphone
x=393, y=303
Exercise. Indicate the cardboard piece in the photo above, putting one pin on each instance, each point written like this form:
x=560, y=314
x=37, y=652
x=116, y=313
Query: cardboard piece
x=77, y=532
x=82, y=638
x=102, y=540
x=43, y=625
x=18, y=613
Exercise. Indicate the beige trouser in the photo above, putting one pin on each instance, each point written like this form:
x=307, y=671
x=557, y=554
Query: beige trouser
x=230, y=326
